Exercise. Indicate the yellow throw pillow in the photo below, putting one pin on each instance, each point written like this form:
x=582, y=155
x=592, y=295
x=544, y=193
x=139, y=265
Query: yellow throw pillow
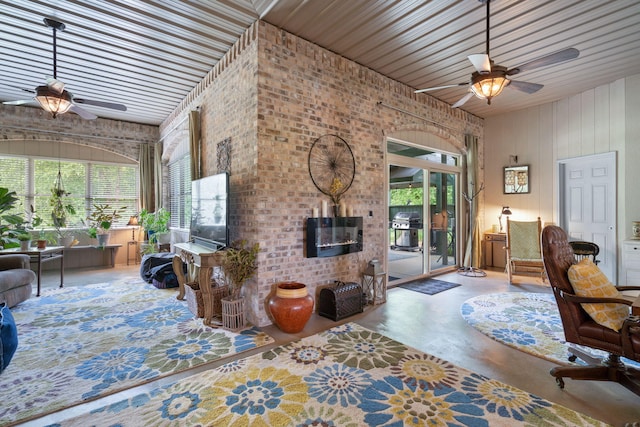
x=588, y=281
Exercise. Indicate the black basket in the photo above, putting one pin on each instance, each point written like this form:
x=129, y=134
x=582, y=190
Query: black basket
x=341, y=300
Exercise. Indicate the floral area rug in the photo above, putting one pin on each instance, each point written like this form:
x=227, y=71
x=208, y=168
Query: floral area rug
x=347, y=376
x=80, y=343
x=529, y=322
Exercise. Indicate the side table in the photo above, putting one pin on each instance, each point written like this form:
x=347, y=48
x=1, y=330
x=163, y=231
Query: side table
x=495, y=254
x=39, y=257
x=200, y=263
x=136, y=252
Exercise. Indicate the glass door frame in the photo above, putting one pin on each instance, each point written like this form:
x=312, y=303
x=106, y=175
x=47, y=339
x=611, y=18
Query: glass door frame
x=427, y=167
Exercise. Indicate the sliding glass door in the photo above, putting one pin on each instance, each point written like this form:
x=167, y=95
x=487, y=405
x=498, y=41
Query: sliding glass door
x=423, y=195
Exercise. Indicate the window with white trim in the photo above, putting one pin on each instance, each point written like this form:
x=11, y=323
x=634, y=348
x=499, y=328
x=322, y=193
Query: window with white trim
x=180, y=192
x=88, y=182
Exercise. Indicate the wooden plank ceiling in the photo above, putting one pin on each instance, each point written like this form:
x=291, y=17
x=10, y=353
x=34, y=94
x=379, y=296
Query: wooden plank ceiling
x=148, y=54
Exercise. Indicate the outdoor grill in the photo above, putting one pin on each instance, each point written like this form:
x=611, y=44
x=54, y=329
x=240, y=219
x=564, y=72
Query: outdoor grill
x=405, y=231
x=406, y=220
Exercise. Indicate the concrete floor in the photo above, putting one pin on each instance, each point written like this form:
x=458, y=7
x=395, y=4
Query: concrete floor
x=434, y=325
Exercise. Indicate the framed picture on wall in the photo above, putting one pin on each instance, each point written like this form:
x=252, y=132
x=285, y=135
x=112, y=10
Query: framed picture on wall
x=516, y=179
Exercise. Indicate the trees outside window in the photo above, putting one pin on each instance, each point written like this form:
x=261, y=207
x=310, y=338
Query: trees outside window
x=87, y=183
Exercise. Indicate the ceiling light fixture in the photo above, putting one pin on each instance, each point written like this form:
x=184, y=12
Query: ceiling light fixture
x=488, y=85
x=49, y=97
x=52, y=101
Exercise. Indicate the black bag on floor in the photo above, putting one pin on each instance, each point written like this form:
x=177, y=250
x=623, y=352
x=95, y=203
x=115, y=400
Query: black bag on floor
x=150, y=261
x=163, y=276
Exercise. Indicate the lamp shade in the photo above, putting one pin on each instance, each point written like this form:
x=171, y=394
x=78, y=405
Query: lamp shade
x=506, y=210
x=52, y=101
x=133, y=221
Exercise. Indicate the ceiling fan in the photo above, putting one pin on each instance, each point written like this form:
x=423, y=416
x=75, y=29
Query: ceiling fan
x=489, y=78
x=53, y=97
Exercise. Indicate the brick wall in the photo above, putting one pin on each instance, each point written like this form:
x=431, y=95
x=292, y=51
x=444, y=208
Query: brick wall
x=274, y=95
x=22, y=126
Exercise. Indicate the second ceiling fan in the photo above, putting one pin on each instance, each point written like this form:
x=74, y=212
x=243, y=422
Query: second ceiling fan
x=489, y=78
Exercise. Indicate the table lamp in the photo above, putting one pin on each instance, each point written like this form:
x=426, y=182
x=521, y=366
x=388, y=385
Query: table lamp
x=133, y=222
x=505, y=211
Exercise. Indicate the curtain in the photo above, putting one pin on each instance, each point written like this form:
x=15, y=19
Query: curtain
x=147, y=191
x=473, y=250
x=194, y=144
x=157, y=175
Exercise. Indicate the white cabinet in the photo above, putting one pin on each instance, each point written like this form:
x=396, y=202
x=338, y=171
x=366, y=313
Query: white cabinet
x=630, y=263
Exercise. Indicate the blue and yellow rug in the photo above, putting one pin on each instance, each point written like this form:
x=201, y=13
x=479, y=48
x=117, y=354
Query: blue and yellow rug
x=529, y=322
x=347, y=376
x=81, y=343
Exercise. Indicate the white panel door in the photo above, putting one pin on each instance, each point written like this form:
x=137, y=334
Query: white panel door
x=588, y=205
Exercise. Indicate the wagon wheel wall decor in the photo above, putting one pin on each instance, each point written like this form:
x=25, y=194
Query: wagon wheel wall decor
x=332, y=166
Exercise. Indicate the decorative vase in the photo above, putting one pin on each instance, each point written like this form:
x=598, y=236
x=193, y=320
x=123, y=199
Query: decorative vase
x=336, y=211
x=291, y=306
x=65, y=241
x=163, y=238
x=635, y=229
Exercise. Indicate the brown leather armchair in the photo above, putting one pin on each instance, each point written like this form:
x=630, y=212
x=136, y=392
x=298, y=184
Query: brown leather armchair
x=580, y=329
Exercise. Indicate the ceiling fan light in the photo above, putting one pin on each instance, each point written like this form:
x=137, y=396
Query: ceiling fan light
x=53, y=102
x=489, y=85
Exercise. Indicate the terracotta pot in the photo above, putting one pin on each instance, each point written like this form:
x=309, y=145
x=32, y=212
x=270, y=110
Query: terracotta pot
x=42, y=244
x=291, y=306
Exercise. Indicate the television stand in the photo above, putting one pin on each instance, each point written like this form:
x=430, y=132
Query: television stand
x=200, y=262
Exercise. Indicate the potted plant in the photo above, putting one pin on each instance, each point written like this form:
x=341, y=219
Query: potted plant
x=9, y=223
x=156, y=224
x=60, y=208
x=100, y=221
x=239, y=264
x=25, y=229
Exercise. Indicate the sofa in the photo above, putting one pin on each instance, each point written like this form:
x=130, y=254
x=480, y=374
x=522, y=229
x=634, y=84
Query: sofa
x=15, y=279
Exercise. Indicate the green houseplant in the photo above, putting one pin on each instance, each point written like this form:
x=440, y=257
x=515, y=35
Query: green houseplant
x=31, y=221
x=155, y=223
x=100, y=221
x=10, y=224
x=60, y=209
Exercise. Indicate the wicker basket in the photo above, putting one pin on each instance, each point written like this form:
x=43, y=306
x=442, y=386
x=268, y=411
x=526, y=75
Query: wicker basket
x=217, y=293
x=195, y=300
x=193, y=295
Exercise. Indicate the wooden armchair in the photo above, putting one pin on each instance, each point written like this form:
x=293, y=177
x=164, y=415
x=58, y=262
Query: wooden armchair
x=580, y=328
x=523, y=247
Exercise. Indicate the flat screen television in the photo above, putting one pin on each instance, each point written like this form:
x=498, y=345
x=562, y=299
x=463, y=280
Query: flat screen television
x=210, y=211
